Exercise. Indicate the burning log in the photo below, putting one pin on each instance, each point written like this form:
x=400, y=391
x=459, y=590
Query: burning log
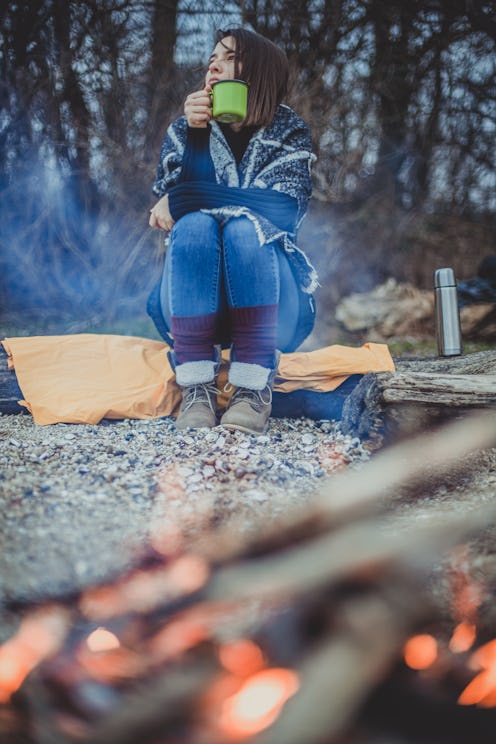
x=339, y=673
x=419, y=394
x=285, y=631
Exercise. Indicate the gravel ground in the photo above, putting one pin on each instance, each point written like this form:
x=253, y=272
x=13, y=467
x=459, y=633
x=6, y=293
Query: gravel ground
x=81, y=503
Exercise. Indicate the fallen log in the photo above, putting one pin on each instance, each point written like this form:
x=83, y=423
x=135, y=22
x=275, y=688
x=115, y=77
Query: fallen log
x=419, y=394
x=10, y=392
x=452, y=390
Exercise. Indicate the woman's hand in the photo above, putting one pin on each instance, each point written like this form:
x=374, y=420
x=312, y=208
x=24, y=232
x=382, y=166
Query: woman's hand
x=198, y=107
x=160, y=215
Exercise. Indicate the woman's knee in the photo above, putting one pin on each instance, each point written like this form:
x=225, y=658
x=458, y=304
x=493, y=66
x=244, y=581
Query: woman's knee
x=194, y=227
x=194, y=237
x=240, y=237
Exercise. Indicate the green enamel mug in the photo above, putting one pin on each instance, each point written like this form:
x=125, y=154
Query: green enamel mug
x=230, y=99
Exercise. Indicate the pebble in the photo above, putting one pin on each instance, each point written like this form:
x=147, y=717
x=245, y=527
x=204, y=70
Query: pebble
x=81, y=502
x=252, y=493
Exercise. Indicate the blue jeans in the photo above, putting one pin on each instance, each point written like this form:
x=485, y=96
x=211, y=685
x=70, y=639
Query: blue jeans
x=209, y=268
x=203, y=259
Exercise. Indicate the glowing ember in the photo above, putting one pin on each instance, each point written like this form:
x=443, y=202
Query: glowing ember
x=481, y=690
x=241, y=657
x=177, y=636
x=420, y=651
x=484, y=657
x=111, y=666
x=258, y=702
x=38, y=637
x=463, y=637
x=476, y=692
x=102, y=640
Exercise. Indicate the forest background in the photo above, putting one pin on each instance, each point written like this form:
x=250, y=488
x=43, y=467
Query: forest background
x=400, y=97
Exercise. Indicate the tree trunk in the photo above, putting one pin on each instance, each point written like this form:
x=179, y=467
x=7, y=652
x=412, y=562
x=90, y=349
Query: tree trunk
x=76, y=148
x=162, y=73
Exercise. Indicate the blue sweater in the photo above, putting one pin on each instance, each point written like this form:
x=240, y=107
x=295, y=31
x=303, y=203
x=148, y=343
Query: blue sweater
x=197, y=189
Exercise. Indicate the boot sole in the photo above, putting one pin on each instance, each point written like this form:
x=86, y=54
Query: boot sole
x=238, y=427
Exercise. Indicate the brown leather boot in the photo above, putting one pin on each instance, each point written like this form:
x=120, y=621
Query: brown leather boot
x=250, y=406
x=198, y=407
x=197, y=380
x=248, y=410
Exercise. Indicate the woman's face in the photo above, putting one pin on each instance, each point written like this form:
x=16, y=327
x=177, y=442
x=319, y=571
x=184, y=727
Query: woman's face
x=221, y=63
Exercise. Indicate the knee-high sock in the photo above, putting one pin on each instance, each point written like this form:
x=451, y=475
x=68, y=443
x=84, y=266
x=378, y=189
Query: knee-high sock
x=254, y=334
x=194, y=337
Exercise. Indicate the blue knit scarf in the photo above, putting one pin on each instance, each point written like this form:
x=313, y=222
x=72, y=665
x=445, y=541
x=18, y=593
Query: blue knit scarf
x=271, y=186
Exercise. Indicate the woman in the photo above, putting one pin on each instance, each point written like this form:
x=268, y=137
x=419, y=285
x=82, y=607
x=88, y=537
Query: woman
x=232, y=197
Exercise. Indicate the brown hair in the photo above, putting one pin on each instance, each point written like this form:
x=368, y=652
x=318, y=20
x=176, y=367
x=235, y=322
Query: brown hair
x=264, y=66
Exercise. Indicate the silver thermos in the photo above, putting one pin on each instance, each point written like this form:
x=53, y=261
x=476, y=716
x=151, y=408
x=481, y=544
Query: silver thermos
x=448, y=333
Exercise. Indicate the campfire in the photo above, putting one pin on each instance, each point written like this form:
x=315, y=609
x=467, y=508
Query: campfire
x=302, y=631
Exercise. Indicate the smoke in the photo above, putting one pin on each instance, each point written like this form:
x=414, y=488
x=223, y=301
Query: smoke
x=68, y=261
x=342, y=251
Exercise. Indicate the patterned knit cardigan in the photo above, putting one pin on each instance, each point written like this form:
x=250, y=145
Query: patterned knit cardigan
x=278, y=157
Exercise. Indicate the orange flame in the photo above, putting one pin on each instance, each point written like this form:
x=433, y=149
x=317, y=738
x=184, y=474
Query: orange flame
x=102, y=640
x=242, y=657
x=466, y=591
x=176, y=637
x=258, y=702
x=420, y=651
x=141, y=591
x=481, y=690
x=111, y=666
x=39, y=636
x=484, y=657
x=463, y=637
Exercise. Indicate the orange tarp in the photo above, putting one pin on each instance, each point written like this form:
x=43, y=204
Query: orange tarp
x=86, y=377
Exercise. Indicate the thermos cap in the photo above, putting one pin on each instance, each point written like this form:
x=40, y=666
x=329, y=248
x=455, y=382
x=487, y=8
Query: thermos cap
x=444, y=278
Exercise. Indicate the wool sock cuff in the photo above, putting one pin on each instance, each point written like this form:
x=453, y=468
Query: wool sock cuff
x=195, y=373
x=251, y=376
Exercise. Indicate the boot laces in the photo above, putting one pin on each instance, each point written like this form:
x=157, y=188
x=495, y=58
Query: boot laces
x=257, y=399
x=205, y=393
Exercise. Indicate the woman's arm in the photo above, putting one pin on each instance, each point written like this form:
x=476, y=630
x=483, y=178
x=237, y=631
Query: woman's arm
x=160, y=215
x=191, y=196
x=197, y=114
